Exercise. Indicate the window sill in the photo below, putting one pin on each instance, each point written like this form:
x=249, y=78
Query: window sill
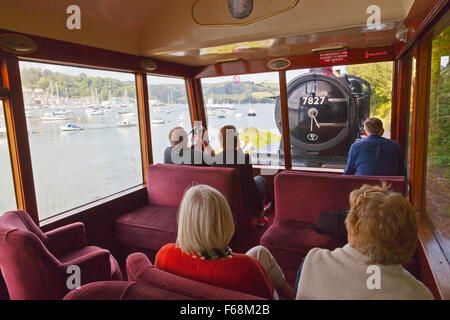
x=434, y=260
x=309, y=169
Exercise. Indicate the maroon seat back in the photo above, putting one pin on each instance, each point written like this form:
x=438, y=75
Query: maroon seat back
x=141, y=270
x=122, y=290
x=24, y=256
x=167, y=184
x=302, y=196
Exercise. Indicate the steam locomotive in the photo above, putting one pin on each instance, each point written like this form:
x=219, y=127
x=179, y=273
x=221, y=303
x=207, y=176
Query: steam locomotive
x=326, y=115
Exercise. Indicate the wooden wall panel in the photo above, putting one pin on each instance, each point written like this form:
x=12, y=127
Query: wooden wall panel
x=67, y=53
x=423, y=16
x=355, y=56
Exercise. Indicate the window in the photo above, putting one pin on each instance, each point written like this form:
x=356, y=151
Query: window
x=83, y=133
x=168, y=109
x=438, y=155
x=249, y=103
x=327, y=108
x=8, y=196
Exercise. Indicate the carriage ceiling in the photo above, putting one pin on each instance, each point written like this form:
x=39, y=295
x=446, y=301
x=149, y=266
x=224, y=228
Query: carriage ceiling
x=172, y=30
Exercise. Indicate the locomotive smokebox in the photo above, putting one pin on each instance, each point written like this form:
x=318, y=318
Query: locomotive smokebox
x=326, y=115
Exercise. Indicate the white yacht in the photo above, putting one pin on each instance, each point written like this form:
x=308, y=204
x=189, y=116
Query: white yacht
x=158, y=121
x=126, y=123
x=251, y=112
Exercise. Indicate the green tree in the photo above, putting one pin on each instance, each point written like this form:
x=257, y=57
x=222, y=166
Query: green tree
x=379, y=75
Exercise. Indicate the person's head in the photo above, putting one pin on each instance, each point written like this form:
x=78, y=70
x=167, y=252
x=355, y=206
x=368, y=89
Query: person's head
x=205, y=221
x=229, y=137
x=178, y=138
x=373, y=126
x=382, y=225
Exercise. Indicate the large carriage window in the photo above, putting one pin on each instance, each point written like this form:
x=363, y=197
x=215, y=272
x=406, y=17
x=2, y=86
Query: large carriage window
x=438, y=155
x=247, y=102
x=7, y=195
x=83, y=133
x=327, y=108
x=168, y=109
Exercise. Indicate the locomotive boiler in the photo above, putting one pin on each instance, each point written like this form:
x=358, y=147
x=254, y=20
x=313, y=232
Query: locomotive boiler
x=326, y=115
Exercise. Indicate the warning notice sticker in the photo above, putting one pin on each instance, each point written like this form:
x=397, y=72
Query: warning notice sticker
x=327, y=58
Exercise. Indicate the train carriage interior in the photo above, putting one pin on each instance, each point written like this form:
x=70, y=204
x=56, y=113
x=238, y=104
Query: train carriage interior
x=92, y=92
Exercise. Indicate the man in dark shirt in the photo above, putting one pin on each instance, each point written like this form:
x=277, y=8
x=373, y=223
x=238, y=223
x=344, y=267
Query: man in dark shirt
x=375, y=156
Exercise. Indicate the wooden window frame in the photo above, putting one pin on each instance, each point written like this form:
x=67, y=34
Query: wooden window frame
x=435, y=265
x=19, y=148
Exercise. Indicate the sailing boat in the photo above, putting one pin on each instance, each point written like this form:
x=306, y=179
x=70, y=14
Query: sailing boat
x=251, y=112
x=95, y=110
x=56, y=115
x=124, y=108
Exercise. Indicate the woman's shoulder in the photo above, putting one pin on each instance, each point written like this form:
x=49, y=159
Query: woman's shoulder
x=168, y=250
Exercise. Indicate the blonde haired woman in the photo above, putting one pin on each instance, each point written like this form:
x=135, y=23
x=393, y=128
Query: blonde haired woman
x=382, y=236
x=201, y=252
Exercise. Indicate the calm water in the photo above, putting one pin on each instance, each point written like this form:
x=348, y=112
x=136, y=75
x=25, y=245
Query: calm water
x=74, y=168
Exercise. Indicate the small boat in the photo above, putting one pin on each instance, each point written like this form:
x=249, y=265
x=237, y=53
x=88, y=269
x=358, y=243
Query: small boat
x=62, y=112
x=94, y=111
x=239, y=115
x=251, y=112
x=127, y=114
x=53, y=116
x=158, y=121
x=221, y=116
x=126, y=123
x=71, y=127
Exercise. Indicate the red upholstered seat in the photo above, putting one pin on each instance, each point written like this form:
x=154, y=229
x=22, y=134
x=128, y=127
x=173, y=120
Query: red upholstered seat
x=148, y=227
x=149, y=283
x=299, y=199
x=155, y=224
x=34, y=264
x=141, y=270
x=122, y=290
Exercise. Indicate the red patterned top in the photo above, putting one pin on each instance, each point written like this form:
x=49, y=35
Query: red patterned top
x=238, y=272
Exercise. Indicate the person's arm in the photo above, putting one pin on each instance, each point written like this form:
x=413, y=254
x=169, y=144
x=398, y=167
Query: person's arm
x=208, y=149
x=299, y=272
x=350, y=169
